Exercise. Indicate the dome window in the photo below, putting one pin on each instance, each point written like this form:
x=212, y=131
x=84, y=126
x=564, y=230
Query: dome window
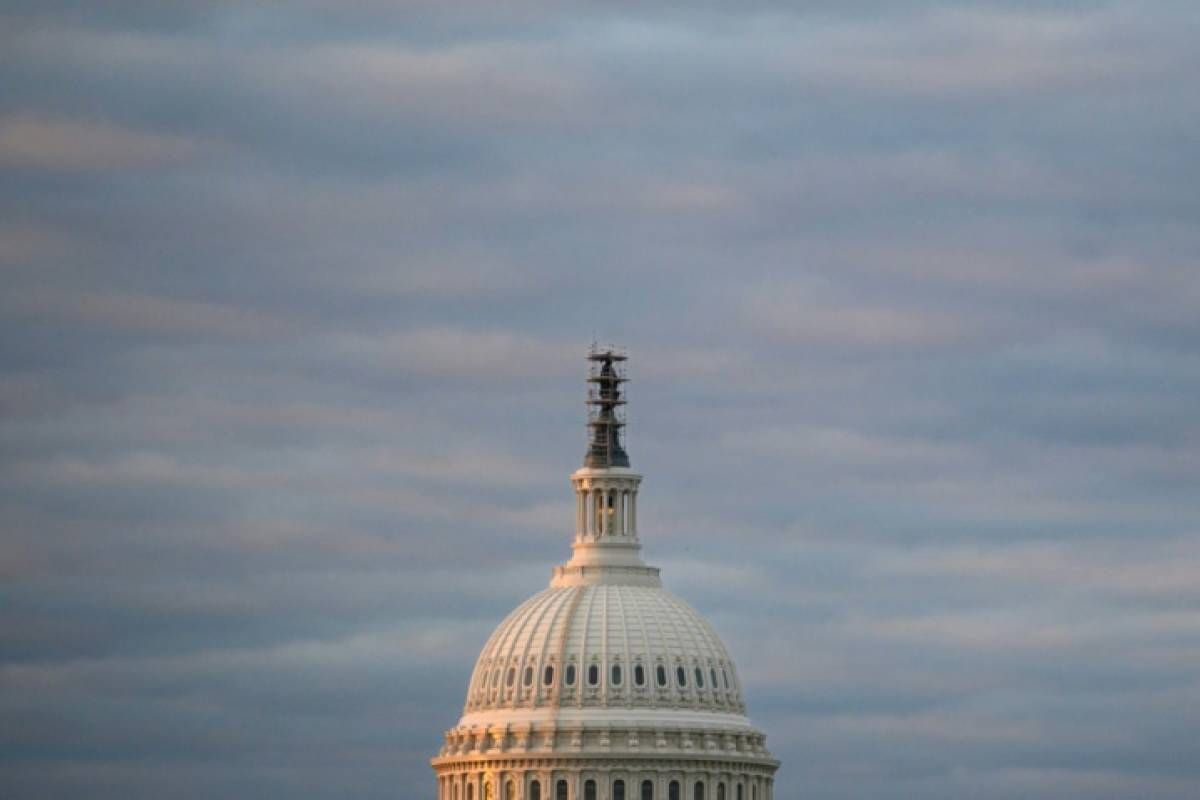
x=593, y=675
x=712, y=673
x=681, y=677
x=662, y=675
x=548, y=675
x=699, y=678
x=725, y=678
x=570, y=675
x=616, y=674
x=528, y=676
x=496, y=677
x=512, y=676
x=639, y=675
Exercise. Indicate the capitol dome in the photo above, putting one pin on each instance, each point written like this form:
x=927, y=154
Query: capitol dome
x=605, y=686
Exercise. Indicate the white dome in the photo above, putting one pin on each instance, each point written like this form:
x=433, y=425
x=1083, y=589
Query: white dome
x=604, y=683
x=605, y=646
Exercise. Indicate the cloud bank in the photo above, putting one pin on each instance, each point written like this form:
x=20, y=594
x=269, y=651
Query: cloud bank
x=291, y=378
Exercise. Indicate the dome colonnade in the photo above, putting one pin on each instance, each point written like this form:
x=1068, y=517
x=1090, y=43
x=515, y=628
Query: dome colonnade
x=604, y=686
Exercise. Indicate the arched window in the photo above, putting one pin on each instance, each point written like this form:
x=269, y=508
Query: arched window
x=535, y=790
x=548, y=676
x=510, y=791
x=698, y=791
x=570, y=677
x=593, y=675
x=639, y=675
x=589, y=790
x=616, y=674
x=661, y=675
x=712, y=673
x=470, y=790
x=456, y=791
x=721, y=791
x=560, y=791
x=754, y=791
x=618, y=789
x=673, y=790
x=648, y=789
x=699, y=678
x=681, y=677
x=512, y=676
x=496, y=678
x=725, y=677
x=529, y=676
x=739, y=792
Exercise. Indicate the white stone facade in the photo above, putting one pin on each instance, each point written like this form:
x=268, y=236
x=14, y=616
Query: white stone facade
x=604, y=686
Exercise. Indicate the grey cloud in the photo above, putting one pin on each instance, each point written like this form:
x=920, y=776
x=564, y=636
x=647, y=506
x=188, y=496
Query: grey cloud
x=290, y=378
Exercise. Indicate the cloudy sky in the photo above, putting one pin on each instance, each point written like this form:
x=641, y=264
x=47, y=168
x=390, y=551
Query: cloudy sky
x=295, y=299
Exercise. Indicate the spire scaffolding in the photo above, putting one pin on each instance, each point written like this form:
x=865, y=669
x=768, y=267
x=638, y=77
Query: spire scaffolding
x=605, y=415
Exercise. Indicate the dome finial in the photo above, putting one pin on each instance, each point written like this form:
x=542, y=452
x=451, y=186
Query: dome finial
x=604, y=401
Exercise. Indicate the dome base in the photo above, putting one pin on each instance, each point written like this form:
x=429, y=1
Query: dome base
x=581, y=762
